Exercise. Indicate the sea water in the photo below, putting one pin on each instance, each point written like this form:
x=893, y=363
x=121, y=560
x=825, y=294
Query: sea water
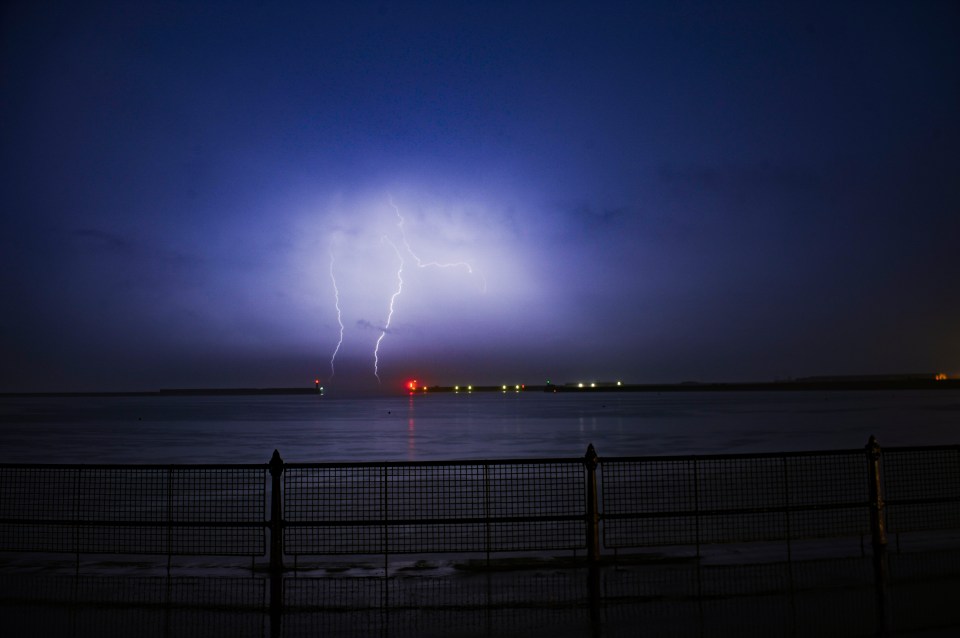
x=307, y=428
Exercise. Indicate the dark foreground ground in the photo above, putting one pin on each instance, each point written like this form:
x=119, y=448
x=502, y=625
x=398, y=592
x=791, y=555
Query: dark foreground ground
x=725, y=593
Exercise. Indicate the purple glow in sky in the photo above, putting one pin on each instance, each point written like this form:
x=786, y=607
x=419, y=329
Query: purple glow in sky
x=654, y=192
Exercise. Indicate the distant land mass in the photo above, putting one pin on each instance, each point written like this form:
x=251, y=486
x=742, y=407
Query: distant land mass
x=928, y=381
x=172, y=392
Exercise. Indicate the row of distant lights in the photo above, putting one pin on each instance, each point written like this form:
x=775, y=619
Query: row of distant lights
x=522, y=386
x=593, y=385
x=412, y=386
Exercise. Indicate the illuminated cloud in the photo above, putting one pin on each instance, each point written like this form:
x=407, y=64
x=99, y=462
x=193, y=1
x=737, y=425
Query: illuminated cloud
x=659, y=192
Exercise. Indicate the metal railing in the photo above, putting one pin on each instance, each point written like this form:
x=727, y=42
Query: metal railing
x=696, y=500
x=587, y=504
x=921, y=488
x=133, y=509
x=392, y=508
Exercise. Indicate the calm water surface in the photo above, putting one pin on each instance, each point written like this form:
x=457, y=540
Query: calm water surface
x=247, y=429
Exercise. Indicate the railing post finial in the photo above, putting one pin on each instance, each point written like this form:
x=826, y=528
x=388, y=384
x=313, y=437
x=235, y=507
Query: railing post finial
x=590, y=458
x=276, y=464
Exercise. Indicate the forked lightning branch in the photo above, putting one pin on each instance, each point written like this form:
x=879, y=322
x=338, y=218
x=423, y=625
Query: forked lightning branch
x=392, y=300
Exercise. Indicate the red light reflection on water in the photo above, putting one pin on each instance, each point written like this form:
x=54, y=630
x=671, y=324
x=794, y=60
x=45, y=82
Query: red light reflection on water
x=411, y=430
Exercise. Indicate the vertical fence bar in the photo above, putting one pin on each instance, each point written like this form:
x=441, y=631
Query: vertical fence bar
x=590, y=462
x=486, y=510
x=878, y=534
x=276, y=546
x=276, y=514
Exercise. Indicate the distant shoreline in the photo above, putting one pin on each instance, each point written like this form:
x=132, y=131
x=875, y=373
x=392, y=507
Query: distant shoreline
x=775, y=386
x=812, y=384
x=172, y=392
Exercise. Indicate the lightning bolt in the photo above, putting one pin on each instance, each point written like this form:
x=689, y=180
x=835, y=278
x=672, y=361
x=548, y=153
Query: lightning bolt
x=408, y=250
x=336, y=301
x=435, y=264
x=393, y=299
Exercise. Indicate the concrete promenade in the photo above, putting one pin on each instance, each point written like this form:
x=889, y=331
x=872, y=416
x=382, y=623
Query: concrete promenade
x=730, y=591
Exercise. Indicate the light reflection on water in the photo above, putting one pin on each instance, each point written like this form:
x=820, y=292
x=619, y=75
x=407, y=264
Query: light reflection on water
x=464, y=426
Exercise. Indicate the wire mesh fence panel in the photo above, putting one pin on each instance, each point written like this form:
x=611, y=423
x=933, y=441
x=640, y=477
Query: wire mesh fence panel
x=732, y=498
x=537, y=489
x=827, y=494
x=333, y=509
x=340, y=493
x=693, y=500
x=123, y=510
x=730, y=485
x=433, y=507
x=915, y=517
x=537, y=535
x=217, y=511
x=742, y=527
x=648, y=502
x=175, y=510
x=133, y=509
x=536, y=506
x=436, y=491
x=442, y=508
x=921, y=488
x=34, y=505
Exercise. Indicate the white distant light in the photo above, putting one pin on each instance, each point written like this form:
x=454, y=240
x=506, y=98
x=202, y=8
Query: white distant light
x=618, y=383
x=579, y=385
x=593, y=385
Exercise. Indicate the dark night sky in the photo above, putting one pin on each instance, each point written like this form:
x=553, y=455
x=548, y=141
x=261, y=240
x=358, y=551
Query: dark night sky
x=640, y=191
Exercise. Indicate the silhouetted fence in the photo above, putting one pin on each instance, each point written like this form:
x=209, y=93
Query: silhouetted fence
x=921, y=487
x=134, y=509
x=588, y=504
x=391, y=508
x=696, y=500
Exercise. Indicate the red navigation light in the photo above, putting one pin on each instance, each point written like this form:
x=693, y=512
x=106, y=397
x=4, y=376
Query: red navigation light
x=316, y=381
x=412, y=384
